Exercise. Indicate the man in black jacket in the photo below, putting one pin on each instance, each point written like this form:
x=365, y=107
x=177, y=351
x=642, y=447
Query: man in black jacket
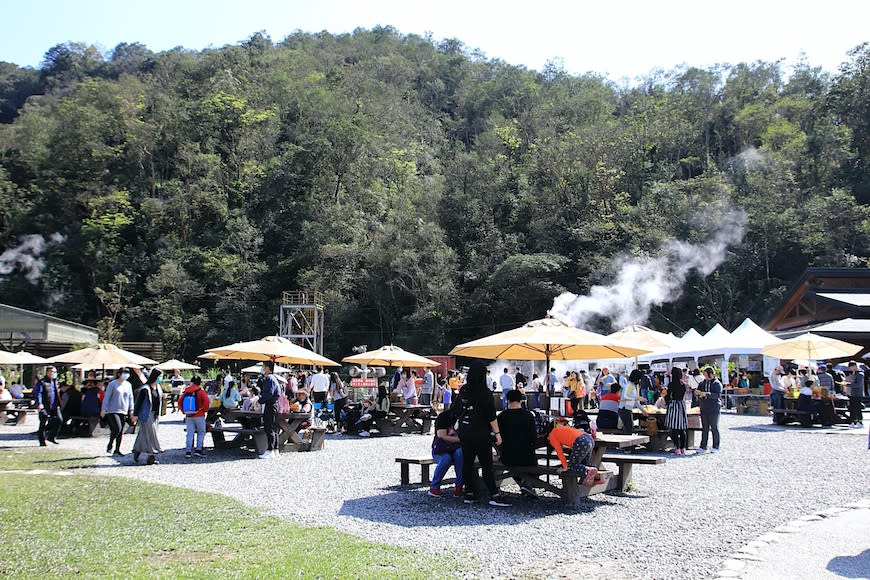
x=269, y=399
x=47, y=398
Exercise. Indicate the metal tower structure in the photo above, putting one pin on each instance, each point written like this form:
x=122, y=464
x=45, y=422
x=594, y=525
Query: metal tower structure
x=302, y=318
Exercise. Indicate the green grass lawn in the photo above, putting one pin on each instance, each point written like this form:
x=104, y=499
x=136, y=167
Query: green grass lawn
x=54, y=526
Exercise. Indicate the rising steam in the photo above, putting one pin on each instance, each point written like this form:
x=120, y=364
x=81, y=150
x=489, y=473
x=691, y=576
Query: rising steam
x=27, y=256
x=642, y=283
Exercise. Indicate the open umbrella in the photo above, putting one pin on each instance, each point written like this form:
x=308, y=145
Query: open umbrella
x=208, y=356
x=173, y=364
x=271, y=348
x=643, y=337
x=102, y=355
x=390, y=356
x=813, y=347
x=21, y=358
x=258, y=369
x=546, y=339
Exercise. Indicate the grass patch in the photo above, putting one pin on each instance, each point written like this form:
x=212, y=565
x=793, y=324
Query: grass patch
x=96, y=526
x=25, y=458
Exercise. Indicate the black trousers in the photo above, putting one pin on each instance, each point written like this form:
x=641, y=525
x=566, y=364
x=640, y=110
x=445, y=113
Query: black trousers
x=855, y=415
x=116, y=429
x=48, y=427
x=680, y=437
x=477, y=444
x=709, y=422
x=270, y=425
x=627, y=421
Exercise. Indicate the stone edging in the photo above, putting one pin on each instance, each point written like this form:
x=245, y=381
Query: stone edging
x=735, y=565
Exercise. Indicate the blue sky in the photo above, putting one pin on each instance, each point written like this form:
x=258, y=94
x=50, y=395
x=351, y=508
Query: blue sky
x=622, y=40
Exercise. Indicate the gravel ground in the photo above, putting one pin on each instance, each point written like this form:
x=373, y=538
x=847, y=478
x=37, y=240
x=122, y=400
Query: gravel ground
x=681, y=520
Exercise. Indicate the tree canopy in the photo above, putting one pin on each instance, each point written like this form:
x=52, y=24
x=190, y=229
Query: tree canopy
x=433, y=195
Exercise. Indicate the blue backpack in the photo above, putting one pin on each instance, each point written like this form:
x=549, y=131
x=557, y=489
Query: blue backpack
x=188, y=404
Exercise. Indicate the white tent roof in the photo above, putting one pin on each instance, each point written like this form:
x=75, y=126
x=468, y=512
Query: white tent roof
x=691, y=334
x=748, y=338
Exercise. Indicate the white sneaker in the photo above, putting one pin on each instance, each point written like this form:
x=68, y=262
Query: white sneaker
x=264, y=455
x=700, y=451
x=714, y=450
x=364, y=434
x=274, y=453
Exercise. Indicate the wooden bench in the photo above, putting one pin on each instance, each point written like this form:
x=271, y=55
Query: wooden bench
x=423, y=462
x=314, y=443
x=572, y=490
x=624, y=464
x=253, y=438
x=84, y=426
x=19, y=415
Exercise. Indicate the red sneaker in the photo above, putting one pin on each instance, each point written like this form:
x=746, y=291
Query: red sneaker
x=434, y=492
x=458, y=491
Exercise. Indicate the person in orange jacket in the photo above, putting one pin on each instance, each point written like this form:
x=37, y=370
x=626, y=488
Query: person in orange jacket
x=581, y=445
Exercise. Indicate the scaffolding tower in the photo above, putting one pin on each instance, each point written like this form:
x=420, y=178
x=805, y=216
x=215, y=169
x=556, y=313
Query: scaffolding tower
x=302, y=318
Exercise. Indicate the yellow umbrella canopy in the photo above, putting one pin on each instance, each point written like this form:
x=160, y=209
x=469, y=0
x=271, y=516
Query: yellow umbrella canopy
x=390, y=356
x=102, y=355
x=208, y=356
x=643, y=337
x=273, y=348
x=547, y=339
x=811, y=346
x=173, y=364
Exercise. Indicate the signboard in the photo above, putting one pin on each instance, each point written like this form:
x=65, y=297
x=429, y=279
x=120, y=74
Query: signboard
x=371, y=383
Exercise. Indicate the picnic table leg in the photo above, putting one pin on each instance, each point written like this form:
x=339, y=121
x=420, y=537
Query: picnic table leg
x=623, y=476
x=406, y=476
x=217, y=438
x=690, y=439
x=425, y=474
x=21, y=418
x=570, y=490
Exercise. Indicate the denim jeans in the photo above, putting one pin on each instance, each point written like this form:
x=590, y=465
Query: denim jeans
x=444, y=461
x=196, y=424
x=775, y=399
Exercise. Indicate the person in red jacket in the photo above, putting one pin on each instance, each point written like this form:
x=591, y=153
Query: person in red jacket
x=581, y=445
x=194, y=403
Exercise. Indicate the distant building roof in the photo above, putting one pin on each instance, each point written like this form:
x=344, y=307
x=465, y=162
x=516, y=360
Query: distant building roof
x=860, y=299
x=823, y=295
x=29, y=326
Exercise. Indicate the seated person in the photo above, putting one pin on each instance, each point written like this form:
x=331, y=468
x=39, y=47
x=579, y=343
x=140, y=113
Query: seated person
x=579, y=416
x=806, y=402
x=5, y=395
x=16, y=390
x=231, y=397
x=608, y=408
x=71, y=402
x=360, y=418
x=251, y=404
x=446, y=451
x=303, y=405
x=661, y=402
x=518, y=436
x=383, y=402
x=581, y=445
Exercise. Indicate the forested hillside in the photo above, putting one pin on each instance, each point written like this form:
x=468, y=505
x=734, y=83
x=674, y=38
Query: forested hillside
x=432, y=194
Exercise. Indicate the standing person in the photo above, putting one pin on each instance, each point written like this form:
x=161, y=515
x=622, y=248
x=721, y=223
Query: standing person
x=446, y=451
x=520, y=379
x=490, y=382
x=551, y=382
x=518, y=434
x=117, y=408
x=603, y=382
x=628, y=401
x=269, y=400
x=397, y=377
x=708, y=392
x=338, y=392
x=824, y=378
x=506, y=383
x=537, y=389
x=777, y=389
x=176, y=384
x=427, y=388
x=318, y=385
x=477, y=424
x=675, y=418
x=146, y=415
x=194, y=403
x=855, y=384
x=47, y=397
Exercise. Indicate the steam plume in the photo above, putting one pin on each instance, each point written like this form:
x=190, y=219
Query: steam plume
x=643, y=283
x=27, y=256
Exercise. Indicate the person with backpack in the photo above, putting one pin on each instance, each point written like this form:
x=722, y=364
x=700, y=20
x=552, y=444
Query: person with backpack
x=194, y=403
x=477, y=426
x=269, y=396
x=146, y=410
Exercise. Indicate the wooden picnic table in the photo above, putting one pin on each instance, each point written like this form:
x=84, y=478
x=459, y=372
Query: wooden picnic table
x=288, y=429
x=405, y=418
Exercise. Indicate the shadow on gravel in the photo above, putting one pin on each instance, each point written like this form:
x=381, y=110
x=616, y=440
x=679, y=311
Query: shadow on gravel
x=18, y=436
x=176, y=457
x=414, y=508
x=851, y=566
x=771, y=428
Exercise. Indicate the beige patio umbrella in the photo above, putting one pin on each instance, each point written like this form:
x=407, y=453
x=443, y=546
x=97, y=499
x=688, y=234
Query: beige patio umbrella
x=21, y=357
x=271, y=348
x=390, y=356
x=173, y=364
x=811, y=346
x=102, y=355
x=643, y=337
x=208, y=356
x=546, y=339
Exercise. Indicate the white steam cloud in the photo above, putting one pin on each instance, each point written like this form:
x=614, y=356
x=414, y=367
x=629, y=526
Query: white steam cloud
x=642, y=283
x=27, y=256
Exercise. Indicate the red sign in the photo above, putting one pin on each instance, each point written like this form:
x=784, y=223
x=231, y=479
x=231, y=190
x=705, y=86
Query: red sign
x=364, y=383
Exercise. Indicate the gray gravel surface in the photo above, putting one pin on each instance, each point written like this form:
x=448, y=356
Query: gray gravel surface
x=681, y=520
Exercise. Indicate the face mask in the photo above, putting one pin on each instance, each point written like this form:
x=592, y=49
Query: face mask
x=125, y=376
x=159, y=380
